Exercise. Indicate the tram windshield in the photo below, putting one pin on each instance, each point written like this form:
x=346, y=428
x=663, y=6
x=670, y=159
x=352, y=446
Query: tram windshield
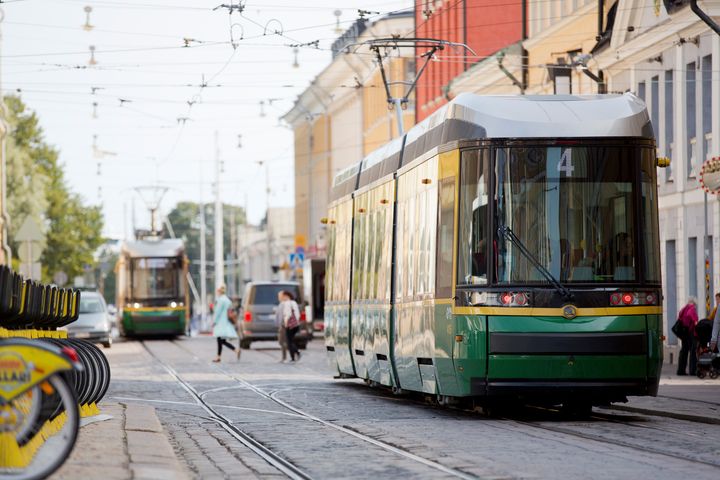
x=571, y=208
x=154, y=278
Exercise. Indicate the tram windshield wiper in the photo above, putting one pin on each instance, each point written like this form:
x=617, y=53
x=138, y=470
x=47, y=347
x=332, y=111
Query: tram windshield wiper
x=507, y=233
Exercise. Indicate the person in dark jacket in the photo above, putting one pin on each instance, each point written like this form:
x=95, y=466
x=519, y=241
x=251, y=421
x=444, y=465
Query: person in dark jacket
x=688, y=318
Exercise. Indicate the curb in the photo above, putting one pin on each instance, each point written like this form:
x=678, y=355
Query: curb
x=150, y=454
x=663, y=413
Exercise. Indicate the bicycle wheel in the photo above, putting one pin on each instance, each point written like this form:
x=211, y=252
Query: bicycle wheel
x=38, y=430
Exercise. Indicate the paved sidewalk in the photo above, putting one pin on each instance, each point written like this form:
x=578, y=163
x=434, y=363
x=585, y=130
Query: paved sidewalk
x=682, y=397
x=131, y=445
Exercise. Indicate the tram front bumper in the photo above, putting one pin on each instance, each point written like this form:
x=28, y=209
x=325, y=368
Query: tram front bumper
x=599, y=358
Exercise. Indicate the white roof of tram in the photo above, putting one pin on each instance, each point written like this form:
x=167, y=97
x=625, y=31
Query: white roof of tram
x=168, y=247
x=549, y=116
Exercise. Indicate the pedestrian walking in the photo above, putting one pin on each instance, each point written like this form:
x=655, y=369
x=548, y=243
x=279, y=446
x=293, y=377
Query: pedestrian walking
x=280, y=323
x=715, y=336
x=223, y=328
x=291, y=322
x=687, y=319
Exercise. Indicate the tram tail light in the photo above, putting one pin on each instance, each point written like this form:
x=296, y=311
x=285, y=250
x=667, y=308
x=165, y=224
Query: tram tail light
x=513, y=299
x=248, y=317
x=633, y=298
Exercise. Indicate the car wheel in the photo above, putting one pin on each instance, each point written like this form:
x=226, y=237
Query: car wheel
x=107, y=343
x=245, y=344
x=302, y=345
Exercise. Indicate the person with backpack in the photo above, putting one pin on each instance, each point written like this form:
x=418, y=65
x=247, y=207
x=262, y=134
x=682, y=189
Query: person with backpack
x=687, y=319
x=291, y=322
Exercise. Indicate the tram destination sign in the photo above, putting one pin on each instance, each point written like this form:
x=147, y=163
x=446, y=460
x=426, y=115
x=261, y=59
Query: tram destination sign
x=710, y=175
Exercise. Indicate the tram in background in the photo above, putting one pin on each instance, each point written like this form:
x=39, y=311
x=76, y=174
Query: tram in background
x=505, y=247
x=152, y=291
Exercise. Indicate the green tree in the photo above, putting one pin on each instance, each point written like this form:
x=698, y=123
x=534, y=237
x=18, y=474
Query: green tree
x=185, y=220
x=37, y=187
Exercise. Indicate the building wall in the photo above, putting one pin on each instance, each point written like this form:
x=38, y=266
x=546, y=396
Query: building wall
x=379, y=124
x=557, y=28
x=680, y=83
x=302, y=157
x=486, y=26
x=346, y=138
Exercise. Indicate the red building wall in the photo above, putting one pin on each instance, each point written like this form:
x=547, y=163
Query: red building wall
x=486, y=26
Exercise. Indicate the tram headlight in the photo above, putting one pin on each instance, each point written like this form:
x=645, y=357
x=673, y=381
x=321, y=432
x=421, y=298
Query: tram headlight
x=136, y=305
x=173, y=304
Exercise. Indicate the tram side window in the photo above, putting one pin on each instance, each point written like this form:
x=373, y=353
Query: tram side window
x=473, y=227
x=446, y=197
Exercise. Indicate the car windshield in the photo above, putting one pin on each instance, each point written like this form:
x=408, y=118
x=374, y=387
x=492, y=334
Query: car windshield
x=154, y=278
x=91, y=305
x=571, y=208
x=268, y=294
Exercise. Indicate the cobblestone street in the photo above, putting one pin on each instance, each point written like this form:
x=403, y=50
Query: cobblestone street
x=330, y=428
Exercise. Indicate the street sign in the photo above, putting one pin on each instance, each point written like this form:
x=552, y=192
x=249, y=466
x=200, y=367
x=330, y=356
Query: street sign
x=31, y=270
x=60, y=278
x=710, y=175
x=29, y=252
x=29, y=231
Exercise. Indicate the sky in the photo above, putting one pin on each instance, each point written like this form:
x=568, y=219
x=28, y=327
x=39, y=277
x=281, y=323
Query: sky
x=160, y=103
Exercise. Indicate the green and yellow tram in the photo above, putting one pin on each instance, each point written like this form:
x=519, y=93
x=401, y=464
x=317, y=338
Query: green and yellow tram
x=504, y=247
x=152, y=291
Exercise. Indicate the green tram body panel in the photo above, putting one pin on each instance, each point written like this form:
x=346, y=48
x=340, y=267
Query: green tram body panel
x=154, y=321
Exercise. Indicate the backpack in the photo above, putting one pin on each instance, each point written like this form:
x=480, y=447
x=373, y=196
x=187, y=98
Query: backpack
x=293, y=321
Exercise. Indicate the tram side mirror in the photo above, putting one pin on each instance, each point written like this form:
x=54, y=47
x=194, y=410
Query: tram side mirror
x=663, y=162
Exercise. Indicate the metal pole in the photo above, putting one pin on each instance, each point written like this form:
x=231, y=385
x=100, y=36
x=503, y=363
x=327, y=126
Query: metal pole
x=268, y=231
x=219, y=257
x=399, y=113
x=203, y=262
x=708, y=294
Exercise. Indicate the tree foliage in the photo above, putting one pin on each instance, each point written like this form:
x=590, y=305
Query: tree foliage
x=36, y=186
x=185, y=220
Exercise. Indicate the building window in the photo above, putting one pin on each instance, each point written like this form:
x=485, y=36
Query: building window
x=641, y=90
x=690, y=89
x=669, y=122
x=655, y=104
x=707, y=101
x=692, y=267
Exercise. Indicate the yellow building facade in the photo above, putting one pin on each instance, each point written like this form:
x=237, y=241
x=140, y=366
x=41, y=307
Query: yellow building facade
x=341, y=117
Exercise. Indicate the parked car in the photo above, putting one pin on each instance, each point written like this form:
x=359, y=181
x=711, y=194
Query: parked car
x=258, y=313
x=94, y=322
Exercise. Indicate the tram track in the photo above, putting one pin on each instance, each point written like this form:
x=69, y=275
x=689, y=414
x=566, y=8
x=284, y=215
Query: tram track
x=281, y=464
x=607, y=440
x=274, y=397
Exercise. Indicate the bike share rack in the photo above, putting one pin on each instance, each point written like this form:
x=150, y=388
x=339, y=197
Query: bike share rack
x=37, y=365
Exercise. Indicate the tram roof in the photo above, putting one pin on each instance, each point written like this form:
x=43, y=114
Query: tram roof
x=167, y=247
x=470, y=117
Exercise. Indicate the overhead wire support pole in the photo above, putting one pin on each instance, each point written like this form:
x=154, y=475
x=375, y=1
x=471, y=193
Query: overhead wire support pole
x=395, y=43
x=218, y=214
